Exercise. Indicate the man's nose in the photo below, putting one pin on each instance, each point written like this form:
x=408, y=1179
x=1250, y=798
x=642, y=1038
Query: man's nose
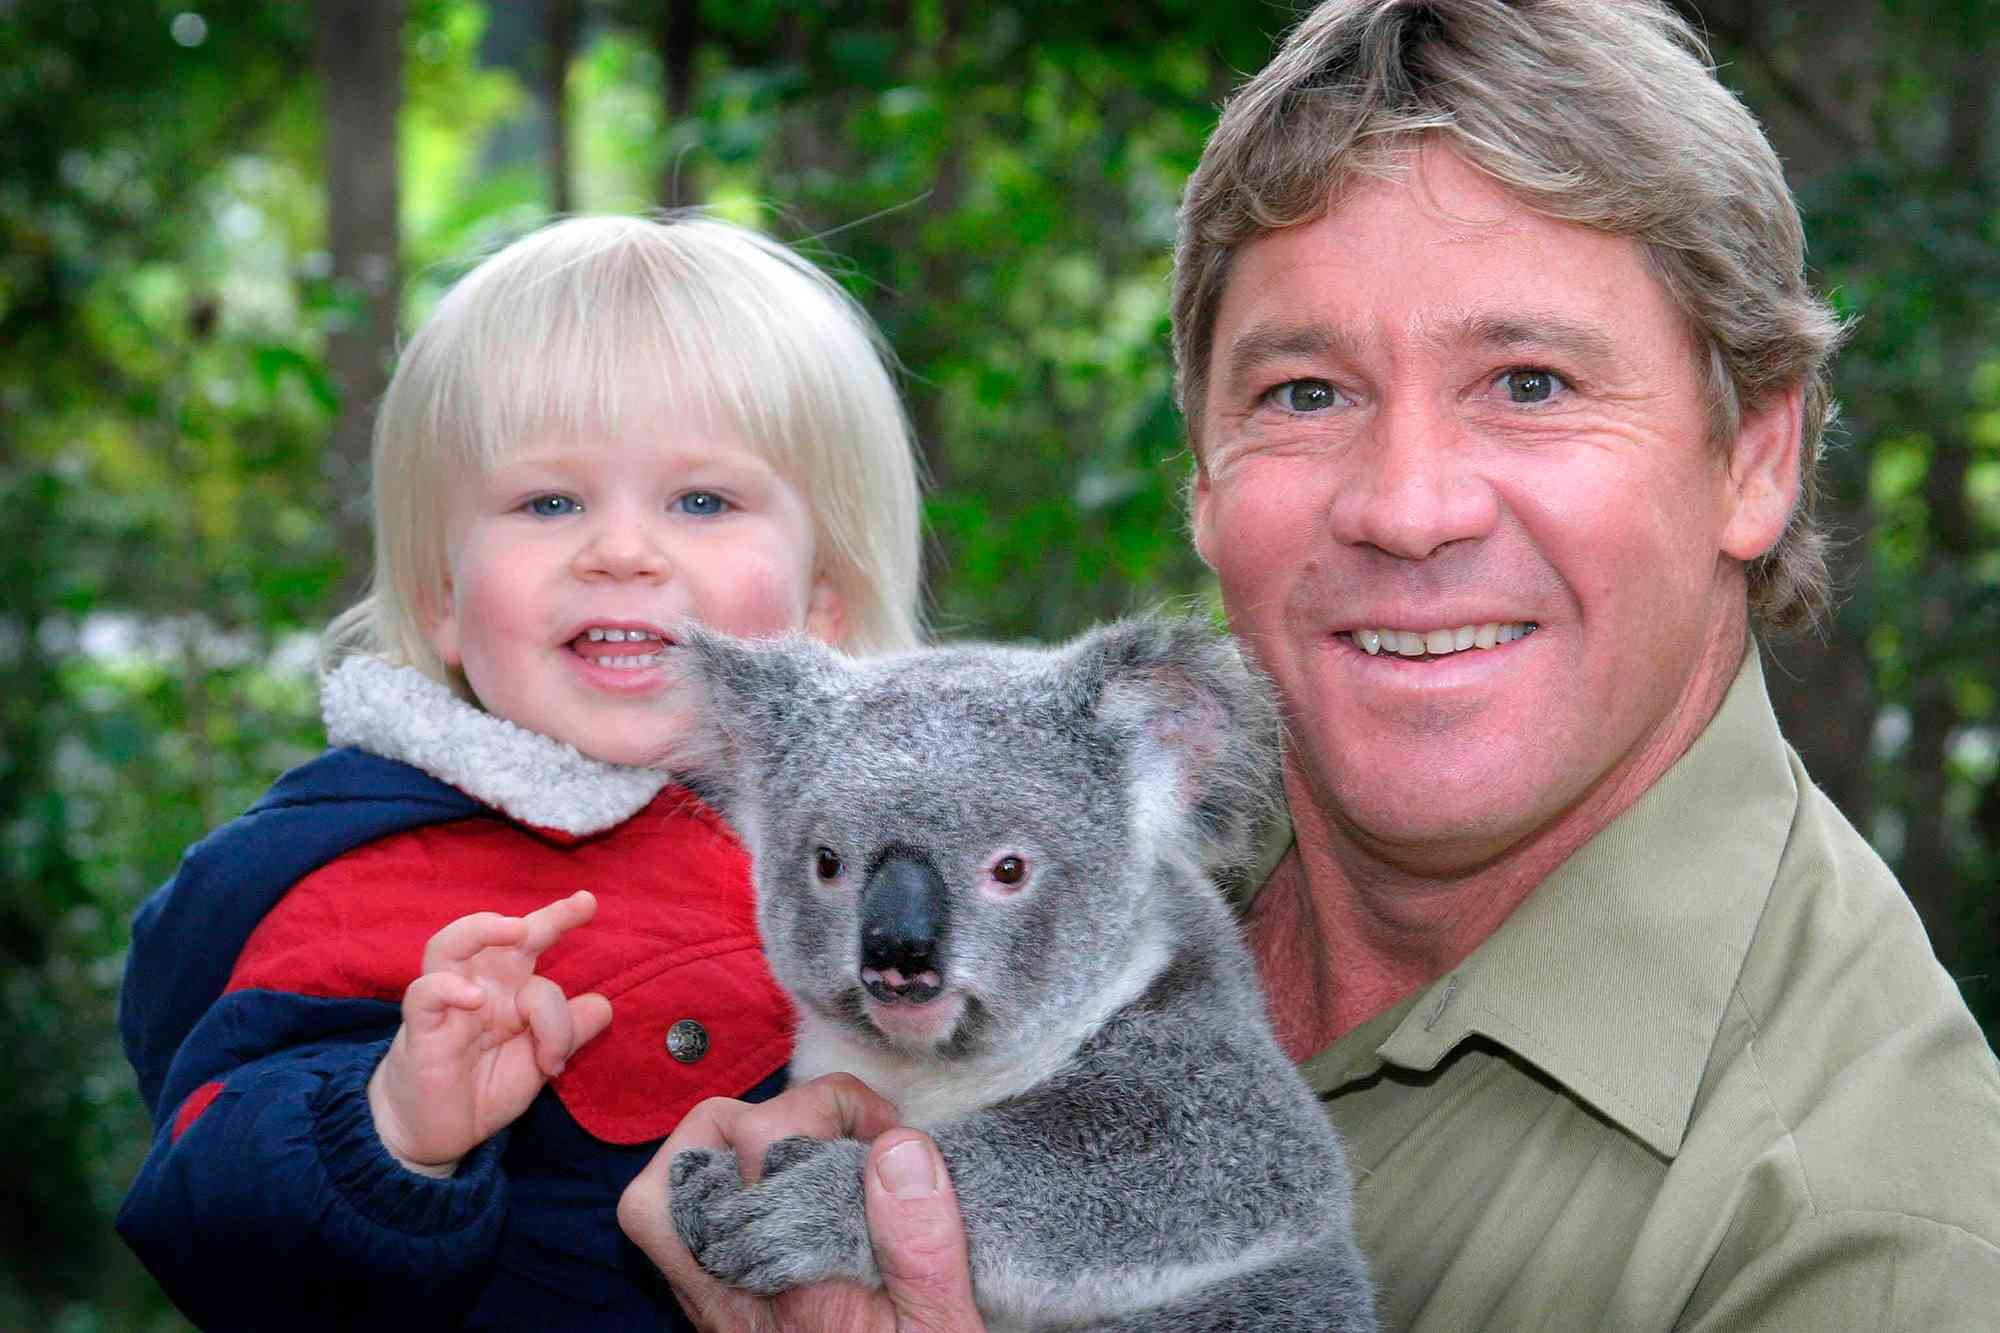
x=1412, y=483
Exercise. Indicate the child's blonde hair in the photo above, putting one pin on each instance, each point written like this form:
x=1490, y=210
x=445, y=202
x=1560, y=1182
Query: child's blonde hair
x=600, y=326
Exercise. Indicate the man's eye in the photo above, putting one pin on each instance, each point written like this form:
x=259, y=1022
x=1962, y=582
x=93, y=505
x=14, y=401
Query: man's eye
x=552, y=506
x=1304, y=395
x=702, y=503
x=1531, y=386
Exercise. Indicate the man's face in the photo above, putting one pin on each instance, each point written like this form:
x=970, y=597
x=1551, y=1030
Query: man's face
x=1437, y=416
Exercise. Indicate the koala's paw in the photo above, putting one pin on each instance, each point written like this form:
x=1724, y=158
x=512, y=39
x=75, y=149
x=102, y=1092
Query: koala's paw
x=801, y=1225
x=789, y=1152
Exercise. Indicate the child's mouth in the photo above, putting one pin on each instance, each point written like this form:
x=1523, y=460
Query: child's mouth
x=608, y=646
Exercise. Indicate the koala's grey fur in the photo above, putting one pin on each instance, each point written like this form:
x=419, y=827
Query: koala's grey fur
x=1130, y=1147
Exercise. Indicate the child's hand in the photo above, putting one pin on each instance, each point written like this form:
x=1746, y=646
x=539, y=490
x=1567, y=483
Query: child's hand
x=481, y=1033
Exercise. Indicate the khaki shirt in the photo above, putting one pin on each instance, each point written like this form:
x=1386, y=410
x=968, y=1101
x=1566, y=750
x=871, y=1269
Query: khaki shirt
x=1708, y=1076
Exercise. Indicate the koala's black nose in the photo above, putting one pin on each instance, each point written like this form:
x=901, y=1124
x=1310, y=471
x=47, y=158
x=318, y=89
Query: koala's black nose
x=902, y=929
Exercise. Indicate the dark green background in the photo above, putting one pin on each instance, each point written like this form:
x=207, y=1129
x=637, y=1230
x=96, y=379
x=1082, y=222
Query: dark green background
x=190, y=338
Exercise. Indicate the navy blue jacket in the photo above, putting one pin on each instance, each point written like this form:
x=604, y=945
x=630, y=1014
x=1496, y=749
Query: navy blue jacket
x=268, y=1202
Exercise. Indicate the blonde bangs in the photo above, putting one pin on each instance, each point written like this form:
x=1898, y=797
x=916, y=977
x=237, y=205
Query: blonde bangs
x=624, y=328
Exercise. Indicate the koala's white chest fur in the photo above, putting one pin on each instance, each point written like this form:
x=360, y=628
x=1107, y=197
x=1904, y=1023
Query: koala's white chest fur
x=925, y=1094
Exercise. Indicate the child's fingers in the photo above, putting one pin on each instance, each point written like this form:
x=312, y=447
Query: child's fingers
x=545, y=1010
x=460, y=941
x=589, y=1015
x=548, y=924
x=433, y=995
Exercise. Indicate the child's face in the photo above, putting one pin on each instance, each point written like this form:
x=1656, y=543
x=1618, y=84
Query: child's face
x=566, y=543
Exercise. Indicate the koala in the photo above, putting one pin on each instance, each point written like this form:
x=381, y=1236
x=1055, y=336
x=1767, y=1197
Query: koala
x=987, y=877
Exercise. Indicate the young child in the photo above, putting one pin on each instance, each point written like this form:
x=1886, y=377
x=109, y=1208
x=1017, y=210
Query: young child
x=373, y=1017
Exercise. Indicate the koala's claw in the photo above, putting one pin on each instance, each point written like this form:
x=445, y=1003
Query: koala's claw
x=686, y=1164
x=772, y=1236
x=789, y=1151
x=701, y=1180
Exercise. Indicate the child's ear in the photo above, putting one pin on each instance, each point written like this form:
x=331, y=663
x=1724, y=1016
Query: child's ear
x=441, y=627
x=1764, y=475
x=826, y=616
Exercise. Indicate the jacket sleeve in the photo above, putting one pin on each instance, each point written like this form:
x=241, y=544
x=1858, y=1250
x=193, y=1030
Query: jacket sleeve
x=267, y=1200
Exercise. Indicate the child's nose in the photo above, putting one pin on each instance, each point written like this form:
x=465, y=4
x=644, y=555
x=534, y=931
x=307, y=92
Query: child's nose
x=623, y=551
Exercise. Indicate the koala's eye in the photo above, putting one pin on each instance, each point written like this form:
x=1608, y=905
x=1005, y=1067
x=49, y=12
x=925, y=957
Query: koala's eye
x=1010, y=870
x=827, y=863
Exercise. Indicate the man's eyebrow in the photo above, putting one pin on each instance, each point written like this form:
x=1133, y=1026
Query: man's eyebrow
x=1320, y=341
x=1312, y=340
x=1555, y=332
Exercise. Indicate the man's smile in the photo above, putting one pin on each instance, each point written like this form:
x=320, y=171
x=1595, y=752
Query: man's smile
x=1429, y=643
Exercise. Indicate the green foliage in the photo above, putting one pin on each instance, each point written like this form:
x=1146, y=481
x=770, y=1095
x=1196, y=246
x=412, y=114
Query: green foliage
x=996, y=182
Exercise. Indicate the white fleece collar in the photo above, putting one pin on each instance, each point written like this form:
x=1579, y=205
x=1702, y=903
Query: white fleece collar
x=400, y=713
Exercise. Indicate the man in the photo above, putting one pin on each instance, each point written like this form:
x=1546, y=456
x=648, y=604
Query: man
x=1505, y=390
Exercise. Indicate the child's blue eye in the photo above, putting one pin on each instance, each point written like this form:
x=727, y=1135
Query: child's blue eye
x=552, y=506
x=704, y=503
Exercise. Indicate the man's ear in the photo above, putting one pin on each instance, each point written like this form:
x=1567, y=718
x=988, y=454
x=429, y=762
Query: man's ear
x=1201, y=496
x=826, y=615
x=1764, y=475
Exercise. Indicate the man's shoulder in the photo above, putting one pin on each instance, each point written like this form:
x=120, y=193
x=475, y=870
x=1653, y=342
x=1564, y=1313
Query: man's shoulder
x=1878, y=1089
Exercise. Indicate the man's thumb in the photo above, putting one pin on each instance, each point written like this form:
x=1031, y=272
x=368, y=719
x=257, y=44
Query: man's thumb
x=919, y=1238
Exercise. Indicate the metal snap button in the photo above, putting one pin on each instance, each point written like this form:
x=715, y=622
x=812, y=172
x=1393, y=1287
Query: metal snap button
x=687, y=1041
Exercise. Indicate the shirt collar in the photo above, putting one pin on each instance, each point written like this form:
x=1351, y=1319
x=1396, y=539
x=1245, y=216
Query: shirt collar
x=400, y=713
x=1612, y=977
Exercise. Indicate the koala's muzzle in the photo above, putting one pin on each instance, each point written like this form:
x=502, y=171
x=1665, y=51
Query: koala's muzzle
x=902, y=929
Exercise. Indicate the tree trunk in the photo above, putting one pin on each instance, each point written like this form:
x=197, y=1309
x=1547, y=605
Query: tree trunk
x=559, y=48
x=675, y=37
x=360, y=60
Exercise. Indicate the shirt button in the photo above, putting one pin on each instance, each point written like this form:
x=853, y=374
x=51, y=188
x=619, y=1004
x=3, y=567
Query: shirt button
x=687, y=1041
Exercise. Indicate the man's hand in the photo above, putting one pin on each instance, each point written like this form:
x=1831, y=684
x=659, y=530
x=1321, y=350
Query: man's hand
x=481, y=1033
x=913, y=1220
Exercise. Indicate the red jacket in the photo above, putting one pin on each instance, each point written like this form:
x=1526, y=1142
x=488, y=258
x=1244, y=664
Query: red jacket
x=674, y=939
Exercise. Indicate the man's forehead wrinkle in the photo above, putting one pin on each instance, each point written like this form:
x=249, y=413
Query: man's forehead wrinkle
x=1472, y=327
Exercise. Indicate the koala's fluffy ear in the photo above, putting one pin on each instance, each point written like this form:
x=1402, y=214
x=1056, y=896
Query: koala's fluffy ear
x=1205, y=725
x=744, y=698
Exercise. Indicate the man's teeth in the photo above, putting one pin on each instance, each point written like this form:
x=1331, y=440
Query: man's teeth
x=1438, y=642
